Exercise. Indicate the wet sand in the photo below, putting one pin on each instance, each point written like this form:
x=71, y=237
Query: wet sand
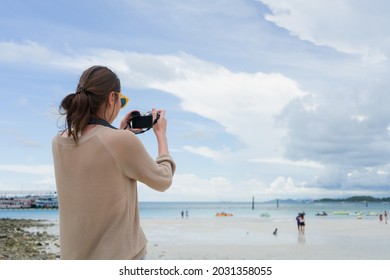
x=245, y=238
x=223, y=238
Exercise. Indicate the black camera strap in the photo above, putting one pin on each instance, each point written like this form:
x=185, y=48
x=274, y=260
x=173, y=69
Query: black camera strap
x=137, y=132
x=101, y=122
x=107, y=124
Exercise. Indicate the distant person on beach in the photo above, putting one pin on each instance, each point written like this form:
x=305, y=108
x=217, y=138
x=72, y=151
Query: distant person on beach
x=380, y=218
x=301, y=221
x=386, y=218
x=297, y=219
x=97, y=168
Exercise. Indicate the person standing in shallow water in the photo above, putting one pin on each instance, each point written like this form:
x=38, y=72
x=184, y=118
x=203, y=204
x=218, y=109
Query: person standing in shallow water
x=301, y=222
x=297, y=219
x=97, y=168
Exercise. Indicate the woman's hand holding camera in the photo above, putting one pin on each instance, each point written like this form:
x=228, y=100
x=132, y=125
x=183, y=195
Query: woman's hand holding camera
x=159, y=124
x=160, y=128
x=125, y=120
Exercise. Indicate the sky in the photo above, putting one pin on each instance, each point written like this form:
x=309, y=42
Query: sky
x=266, y=98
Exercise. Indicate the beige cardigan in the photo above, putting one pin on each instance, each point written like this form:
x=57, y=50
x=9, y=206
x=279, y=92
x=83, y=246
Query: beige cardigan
x=97, y=192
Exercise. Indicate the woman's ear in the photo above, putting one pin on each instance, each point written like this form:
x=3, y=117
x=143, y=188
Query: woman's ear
x=112, y=98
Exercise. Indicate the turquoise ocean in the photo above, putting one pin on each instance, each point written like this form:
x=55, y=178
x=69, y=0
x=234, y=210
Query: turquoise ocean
x=159, y=210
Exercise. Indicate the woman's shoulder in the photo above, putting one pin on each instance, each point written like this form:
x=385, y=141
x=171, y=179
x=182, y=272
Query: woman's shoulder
x=119, y=137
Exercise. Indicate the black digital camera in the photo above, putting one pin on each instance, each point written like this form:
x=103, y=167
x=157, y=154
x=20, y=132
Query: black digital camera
x=144, y=121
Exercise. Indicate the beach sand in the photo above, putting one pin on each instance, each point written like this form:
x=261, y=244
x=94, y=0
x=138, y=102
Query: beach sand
x=224, y=238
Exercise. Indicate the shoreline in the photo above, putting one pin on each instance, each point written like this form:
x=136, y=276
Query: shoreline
x=221, y=238
x=25, y=239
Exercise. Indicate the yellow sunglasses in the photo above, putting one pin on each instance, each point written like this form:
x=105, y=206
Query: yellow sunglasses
x=124, y=99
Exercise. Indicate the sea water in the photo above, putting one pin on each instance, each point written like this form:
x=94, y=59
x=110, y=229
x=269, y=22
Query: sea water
x=159, y=210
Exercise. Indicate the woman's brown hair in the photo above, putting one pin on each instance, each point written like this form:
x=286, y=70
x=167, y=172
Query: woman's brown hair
x=95, y=85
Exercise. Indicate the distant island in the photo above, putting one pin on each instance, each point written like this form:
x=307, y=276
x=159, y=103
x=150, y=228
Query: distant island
x=365, y=199
x=355, y=199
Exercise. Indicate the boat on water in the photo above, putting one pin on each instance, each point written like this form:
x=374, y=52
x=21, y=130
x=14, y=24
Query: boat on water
x=223, y=214
x=46, y=202
x=323, y=213
x=372, y=213
x=14, y=203
x=356, y=214
x=341, y=213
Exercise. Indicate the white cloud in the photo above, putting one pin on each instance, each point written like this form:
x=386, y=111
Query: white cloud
x=31, y=53
x=207, y=152
x=369, y=178
x=245, y=104
x=282, y=161
x=22, y=178
x=189, y=187
x=359, y=118
x=344, y=126
x=286, y=187
x=283, y=188
x=355, y=27
x=28, y=169
x=317, y=129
